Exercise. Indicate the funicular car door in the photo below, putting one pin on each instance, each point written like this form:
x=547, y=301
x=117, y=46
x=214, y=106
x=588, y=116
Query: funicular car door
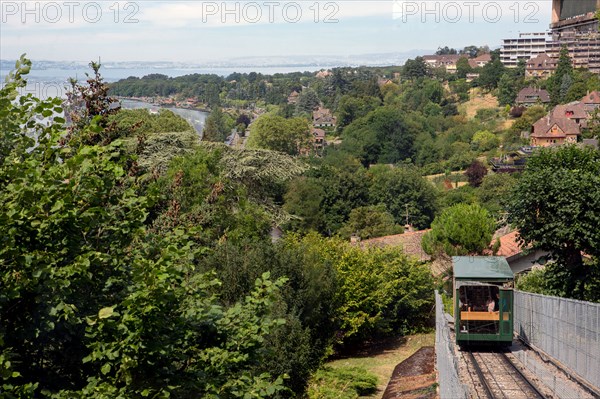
x=506, y=311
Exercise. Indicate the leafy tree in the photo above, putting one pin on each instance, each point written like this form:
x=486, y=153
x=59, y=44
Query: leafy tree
x=565, y=86
x=564, y=67
x=475, y=173
x=460, y=230
x=491, y=74
x=303, y=200
x=380, y=289
x=402, y=189
x=280, y=134
x=471, y=51
x=216, y=127
x=345, y=188
x=463, y=67
x=307, y=101
x=351, y=108
x=484, y=141
x=93, y=304
x=385, y=135
x=370, y=222
x=414, y=69
x=446, y=51
x=507, y=91
x=494, y=192
x=529, y=117
x=554, y=207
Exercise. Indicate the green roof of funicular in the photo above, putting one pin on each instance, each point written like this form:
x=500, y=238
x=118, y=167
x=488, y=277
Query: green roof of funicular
x=481, y=268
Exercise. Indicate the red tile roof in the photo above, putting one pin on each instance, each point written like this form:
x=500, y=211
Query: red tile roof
x=541, y=62
x=410, y=243
x=574, y=110
x=591, y=98
x=509, y=246
x=543, y=127
x=530, y=95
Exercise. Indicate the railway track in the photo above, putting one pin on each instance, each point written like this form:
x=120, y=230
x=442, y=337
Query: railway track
x=500, y=378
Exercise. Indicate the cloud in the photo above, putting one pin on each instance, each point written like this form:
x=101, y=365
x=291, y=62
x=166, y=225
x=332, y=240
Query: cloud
x=240, y=13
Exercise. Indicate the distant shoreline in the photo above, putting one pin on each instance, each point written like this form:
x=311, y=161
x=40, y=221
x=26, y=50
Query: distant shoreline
x=162, y=105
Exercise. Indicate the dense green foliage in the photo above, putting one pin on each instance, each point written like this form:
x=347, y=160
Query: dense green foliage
x=460, y=230
x=555, y=205
x=369, y=222
x=280, y=134
x=141, y=121
x=325, y=198
x=154, y=264
x=93, y=304
x=342, y=383
x=217, y=126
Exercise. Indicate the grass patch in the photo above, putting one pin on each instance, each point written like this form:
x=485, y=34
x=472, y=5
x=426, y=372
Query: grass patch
x=342, y=383
x=378, y=360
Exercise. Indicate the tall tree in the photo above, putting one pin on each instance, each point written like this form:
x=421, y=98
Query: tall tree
x=491, y=74
x=215, y=127
x=475, y=173
x=507, y=90
x=564, y=67
x=280, y=134
x=463, y=67
x=414, y=69
x=555, y=207
x=370, y=222
x=460, y=230
x=307, y=101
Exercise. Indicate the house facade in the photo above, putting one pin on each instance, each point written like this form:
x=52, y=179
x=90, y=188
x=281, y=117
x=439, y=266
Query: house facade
x=322, y=117
x=540, y=66
x=532, y=96
x=448, y=62
x=480, y=61
x=551, y=131
x=591, y=101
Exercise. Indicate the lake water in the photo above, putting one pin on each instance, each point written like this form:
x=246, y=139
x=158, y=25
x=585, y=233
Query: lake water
x=51, y=82
x=194, y=117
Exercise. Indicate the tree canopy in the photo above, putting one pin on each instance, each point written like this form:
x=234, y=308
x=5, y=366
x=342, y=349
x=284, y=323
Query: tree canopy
x=554, y=205
x=461, y=229
x=280, y=134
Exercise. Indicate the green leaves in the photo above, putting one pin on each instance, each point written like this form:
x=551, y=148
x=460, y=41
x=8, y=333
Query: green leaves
x=460, y=230
x=555, y=207
x=105, y=313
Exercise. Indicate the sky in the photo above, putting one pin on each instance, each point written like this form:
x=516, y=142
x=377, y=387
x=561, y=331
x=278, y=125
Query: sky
x=212, y=31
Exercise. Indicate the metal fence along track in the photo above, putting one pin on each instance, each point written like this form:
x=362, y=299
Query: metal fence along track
x=565, y=329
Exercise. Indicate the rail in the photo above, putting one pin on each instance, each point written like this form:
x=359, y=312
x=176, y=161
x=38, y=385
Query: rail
x=500, y=377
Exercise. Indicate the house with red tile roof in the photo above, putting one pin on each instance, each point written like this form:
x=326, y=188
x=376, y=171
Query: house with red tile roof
x=574, y=111
x=541, y=66
x=529, y=96
x=554, y=130
x=591, y=101
x=322, y=117
x=480, y=61
x=318, y=138
x=443, y=61
x=519, y=259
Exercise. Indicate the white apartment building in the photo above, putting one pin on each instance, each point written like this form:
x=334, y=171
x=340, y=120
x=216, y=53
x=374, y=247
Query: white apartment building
x=526, y=46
